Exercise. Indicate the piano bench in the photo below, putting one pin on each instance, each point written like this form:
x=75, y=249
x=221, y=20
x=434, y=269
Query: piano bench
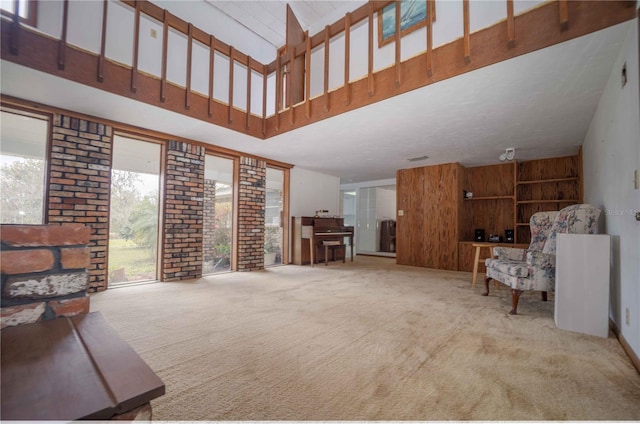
x=332, y=244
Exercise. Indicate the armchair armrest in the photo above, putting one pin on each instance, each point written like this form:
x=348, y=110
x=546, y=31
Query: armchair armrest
x=509, y=253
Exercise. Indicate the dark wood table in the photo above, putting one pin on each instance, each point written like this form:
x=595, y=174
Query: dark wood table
x=72, y=368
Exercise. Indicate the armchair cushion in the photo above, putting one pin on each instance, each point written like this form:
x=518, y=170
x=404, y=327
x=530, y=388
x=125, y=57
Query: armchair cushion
x=512, y=267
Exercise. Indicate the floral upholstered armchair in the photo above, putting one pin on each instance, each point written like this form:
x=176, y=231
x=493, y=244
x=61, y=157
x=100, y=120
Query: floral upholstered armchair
x=535, y=268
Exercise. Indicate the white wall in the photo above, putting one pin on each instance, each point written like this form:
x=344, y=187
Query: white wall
x=611, y=154
x=311, y=191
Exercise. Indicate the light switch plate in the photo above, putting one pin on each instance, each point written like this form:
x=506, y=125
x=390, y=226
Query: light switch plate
x=400, y=212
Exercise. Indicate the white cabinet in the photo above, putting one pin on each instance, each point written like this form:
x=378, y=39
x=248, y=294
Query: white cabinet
x=582, y=283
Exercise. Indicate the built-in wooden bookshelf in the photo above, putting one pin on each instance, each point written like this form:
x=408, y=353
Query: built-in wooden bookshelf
x=544, y=185
x=435, y=210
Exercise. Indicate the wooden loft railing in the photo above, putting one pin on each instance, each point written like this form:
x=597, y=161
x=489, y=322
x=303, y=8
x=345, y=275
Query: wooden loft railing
x=550, y=23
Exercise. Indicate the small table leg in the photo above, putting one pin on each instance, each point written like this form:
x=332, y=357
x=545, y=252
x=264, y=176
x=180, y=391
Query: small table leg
x=475, y=266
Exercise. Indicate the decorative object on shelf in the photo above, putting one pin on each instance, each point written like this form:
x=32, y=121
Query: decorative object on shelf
x=467, y=194
x=494, y=238
x=509, y=154
x=479, y=235
x=322, y=213
x=508, y=236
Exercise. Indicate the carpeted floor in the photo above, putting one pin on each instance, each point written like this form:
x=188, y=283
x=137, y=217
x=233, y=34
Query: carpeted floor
x=368, y=340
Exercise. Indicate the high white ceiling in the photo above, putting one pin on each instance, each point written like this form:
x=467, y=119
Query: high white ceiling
x=267, y=19
x=541, y=104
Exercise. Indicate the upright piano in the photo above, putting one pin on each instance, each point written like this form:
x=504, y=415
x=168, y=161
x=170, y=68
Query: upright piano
x=308, y=233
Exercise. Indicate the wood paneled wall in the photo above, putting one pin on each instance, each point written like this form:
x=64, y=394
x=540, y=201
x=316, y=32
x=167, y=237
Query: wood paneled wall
x=427, y=230
x=435, y=223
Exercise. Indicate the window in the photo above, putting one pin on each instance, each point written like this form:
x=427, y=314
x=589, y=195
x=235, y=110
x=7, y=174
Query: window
x=134, y=214
x=218, y=215
x=23, y=146
x=27, y=10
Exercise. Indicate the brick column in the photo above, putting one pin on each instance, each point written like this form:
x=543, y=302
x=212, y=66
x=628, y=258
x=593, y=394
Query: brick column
x=43, y=270
x=183, y=211
x=252, y=194
x=80, y=185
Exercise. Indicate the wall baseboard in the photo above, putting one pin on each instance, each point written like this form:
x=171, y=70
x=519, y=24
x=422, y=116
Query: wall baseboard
x=635, y=360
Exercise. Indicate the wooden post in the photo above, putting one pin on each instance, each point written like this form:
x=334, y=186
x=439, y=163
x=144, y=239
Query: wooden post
x=326, y=68
x=15, y=29
x=347, y=50
x=230, y=110
x=290, y=85
x=136, y=41
x=307, y=76
x=103, y=40
x=165, y=47
x=430, y=8
x=187, y=97
x=563, y=10
x=264, y=99
x=212, y=55
x=62, y=44
x=370, y=54
x=278, y=89
x=397, y=40
x=511, y=32
x=467, y=47
x=248, y=90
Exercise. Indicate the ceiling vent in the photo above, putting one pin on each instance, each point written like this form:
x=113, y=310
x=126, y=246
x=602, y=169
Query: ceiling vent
x=418, y=158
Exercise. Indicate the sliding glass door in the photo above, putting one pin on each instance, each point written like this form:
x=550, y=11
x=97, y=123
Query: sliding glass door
x=218, y=215
x=273, y=216
x=134, y=214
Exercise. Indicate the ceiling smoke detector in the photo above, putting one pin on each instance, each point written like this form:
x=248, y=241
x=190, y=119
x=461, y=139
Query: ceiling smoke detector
x=509, y=154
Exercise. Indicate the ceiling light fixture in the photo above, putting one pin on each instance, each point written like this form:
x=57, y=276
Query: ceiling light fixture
x=419, y=158
x=509, y=154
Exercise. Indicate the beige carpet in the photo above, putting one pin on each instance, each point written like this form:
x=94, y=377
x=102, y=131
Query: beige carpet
x=368, y=340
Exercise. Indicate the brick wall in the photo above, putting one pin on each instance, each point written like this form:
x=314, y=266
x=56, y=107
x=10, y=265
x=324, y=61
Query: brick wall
x=80, y=185
x=183, y=211
x=43, y=270
x=251, y=204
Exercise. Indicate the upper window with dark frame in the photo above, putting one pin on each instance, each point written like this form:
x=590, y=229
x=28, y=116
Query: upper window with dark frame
x=28, y=10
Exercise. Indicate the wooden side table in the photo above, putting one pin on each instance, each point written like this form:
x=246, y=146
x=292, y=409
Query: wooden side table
x=477, y=259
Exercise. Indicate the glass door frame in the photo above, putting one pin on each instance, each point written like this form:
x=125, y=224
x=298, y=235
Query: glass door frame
x=161, y=195
x=286, y=219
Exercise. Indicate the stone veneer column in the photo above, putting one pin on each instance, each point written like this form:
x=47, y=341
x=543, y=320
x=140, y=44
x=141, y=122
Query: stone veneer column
x=183, y=211
x=251, y=204
x=80, y=185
